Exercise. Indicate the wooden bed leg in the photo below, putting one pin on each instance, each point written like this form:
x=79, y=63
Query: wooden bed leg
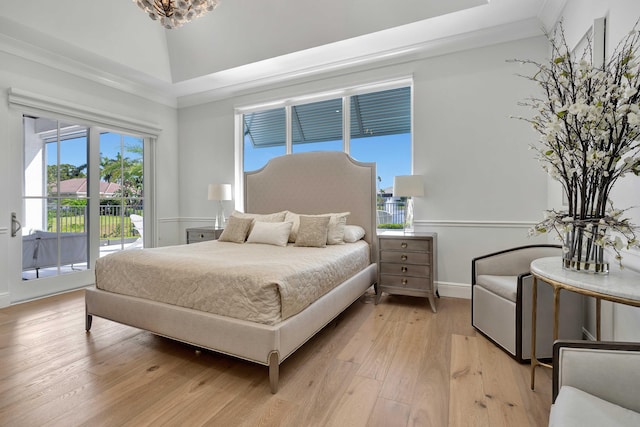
x=274, y=371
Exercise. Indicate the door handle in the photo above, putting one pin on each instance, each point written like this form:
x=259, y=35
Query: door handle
x=15, y=224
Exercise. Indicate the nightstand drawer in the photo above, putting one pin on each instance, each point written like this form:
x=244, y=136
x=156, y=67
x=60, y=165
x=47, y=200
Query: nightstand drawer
x=405, y=257
x=196, y=235
x=409, y=245
x=405, y=270
x=418, y=283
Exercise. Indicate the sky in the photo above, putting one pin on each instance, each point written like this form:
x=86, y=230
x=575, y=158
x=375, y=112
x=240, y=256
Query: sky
x=74, y=151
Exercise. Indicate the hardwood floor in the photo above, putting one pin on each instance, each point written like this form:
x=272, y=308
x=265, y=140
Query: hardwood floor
x=394, y=364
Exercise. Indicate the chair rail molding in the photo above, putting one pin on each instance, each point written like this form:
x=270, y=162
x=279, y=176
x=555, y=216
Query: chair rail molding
x=474, y=223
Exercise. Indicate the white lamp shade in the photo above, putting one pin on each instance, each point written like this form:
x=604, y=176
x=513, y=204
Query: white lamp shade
x=220, y=192
x=408, y=186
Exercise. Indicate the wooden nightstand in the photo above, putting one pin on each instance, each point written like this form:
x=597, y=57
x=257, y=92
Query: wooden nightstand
x=202, y=234
x=407, y=265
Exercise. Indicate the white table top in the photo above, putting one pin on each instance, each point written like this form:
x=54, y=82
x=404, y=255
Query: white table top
x=618, y=283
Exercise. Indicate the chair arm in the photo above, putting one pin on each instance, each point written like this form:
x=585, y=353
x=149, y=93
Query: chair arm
x=511, y=262
x=608, y=370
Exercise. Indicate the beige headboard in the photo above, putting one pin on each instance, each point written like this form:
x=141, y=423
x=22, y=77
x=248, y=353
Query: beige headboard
x=314, y=183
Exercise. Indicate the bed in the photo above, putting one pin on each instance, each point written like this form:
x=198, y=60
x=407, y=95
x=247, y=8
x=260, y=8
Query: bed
x=305, y=183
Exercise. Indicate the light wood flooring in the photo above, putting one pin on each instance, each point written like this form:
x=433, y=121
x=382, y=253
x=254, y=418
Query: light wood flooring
x=394, y=364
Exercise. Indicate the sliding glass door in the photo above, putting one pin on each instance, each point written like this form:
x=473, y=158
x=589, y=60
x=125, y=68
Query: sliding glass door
x=82, y=198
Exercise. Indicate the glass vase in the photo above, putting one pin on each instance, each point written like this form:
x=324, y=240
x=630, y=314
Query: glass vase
x=580, y=251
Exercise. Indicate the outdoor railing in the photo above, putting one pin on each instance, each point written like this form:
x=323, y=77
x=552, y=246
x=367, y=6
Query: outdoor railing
x=390, y=213
x=114, y=220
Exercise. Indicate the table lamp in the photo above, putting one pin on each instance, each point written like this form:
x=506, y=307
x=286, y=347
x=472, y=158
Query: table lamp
x=220, y=192
x=408, y=186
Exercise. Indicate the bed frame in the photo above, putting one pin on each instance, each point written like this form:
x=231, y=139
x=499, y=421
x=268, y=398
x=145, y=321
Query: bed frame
x=306, y=183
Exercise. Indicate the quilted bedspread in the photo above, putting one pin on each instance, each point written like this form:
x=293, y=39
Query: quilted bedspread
x=255, y=282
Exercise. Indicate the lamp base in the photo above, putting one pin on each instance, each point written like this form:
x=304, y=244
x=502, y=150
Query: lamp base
x=408, y=216
x=220, y=219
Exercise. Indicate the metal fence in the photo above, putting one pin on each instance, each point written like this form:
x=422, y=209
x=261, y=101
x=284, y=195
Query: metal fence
x=390, y=211
x=115, y=221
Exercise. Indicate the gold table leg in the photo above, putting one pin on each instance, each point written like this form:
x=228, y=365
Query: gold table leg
x=556, y=316
x=556, y=311
x=534, y=309
x=598, y=314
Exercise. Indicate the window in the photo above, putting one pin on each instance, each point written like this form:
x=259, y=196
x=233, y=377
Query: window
x=264, y=137
x=317, y=126
x=376, y=129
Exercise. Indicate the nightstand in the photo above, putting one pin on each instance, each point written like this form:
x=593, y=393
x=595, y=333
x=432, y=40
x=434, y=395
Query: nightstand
x=407, y=265
x=202, y=234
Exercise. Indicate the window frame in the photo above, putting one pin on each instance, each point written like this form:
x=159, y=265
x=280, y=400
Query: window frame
x=344, y=93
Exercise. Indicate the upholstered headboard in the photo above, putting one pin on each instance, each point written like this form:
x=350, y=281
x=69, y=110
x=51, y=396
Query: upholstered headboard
x=314, y=183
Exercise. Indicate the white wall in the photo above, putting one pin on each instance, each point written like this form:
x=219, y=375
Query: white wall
x=75, y=28
x=619, y=322
x=19, y=73
x=483, y=188
x=280, y=27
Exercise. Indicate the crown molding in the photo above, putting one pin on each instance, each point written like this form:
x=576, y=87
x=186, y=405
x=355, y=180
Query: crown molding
x=296, y=67
x=417, y=51
x=94, y=69
x=550, y=13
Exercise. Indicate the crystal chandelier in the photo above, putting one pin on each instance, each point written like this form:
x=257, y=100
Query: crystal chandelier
x=175, y=13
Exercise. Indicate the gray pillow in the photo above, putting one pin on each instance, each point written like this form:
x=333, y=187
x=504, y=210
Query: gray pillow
x=236, y=230
x=313, y=231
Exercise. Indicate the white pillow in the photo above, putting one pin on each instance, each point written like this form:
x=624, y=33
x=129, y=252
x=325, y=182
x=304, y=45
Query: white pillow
x=270, y=233
x=353, y=233
x=272, y=217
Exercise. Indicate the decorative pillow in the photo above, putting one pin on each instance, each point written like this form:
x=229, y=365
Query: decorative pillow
x=271, y=233
x=353, y=233
x=236, y=230
x=313, y=231
x=335, y=235
x=273, y=217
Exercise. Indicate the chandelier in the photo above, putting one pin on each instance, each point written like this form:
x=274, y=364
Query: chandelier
x=175, y=13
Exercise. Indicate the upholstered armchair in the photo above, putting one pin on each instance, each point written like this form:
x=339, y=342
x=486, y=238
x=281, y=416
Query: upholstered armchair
x=501, y=298
x=595, y=384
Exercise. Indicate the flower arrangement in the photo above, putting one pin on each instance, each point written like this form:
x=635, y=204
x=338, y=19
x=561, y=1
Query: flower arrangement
x=588, y=119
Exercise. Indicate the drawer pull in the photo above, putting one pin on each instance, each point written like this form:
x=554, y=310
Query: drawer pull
x=202, y=236
x=404, y=269
x=403, y=245
x=405, y=281
x=403, y=257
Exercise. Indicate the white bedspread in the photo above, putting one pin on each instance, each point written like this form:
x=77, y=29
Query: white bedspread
x=255, y=282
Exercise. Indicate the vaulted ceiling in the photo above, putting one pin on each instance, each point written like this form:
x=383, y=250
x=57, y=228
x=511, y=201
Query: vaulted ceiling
x=244, y=44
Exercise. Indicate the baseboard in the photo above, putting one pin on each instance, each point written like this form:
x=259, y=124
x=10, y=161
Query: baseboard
x=454, y=290
x=5, y=299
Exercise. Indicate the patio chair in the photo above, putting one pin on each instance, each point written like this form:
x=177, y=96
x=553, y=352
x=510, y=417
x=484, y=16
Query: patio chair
x=383, y=217
x=137, y=222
